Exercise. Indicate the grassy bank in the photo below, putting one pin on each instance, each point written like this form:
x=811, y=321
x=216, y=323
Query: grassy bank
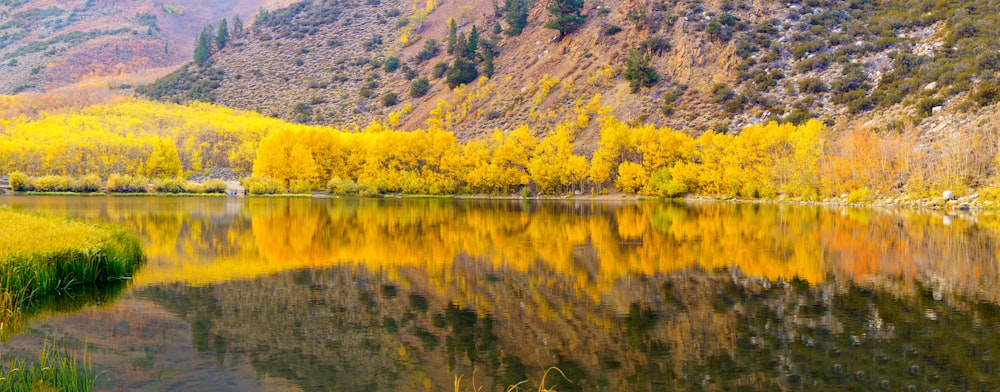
x=55, y=371
x=41, y=256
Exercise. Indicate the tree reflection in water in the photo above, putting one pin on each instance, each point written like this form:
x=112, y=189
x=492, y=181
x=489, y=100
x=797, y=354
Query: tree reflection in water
x=407, y=294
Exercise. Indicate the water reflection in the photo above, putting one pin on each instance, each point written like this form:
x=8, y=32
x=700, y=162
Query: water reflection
x=406, y=294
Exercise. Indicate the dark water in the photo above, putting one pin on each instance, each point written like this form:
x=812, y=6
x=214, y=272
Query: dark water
x=358, y=295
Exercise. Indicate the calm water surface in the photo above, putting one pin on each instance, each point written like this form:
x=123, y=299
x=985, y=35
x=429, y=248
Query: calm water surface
x=407, y=295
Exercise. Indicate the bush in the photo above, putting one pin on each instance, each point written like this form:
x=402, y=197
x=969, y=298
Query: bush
x=214, y=186
x=860, y=195
x=926, y=106
x=439, y=70
x=390, y=99
x=86, y=184
x=51, y=184
x=420, y=87
x=391, y=64
x=342, y=187
x=262, y=186
x=193, y=187
x=124, y=183
x=812, y=86
x=19, y=181
x=987, y=94
x=638, y=71
x=430, y=50
x=612, y=30
x=168, y=185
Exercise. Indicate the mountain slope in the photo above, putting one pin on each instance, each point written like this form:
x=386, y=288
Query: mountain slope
x=46, y=44
x=720, y=64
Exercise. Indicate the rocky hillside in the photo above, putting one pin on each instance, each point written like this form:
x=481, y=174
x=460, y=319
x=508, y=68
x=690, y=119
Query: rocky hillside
x=46, y=44
x=693, y=64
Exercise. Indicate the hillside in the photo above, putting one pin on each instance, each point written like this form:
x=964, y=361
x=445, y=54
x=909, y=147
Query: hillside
x=718, y=64
x=47, y=44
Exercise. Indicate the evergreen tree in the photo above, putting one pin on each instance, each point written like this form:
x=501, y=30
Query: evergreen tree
x=566, y=16
x=497, y=29
x=488, y=61
x=473, y=44
x=461, y=71
x=516, y=17
x=638, y=71
x=203, y=46
x=452, y=35
x=461, y=44
x=222, y=35
x=237, y=27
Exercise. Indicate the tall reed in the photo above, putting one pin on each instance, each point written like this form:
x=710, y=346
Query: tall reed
x=55, y=371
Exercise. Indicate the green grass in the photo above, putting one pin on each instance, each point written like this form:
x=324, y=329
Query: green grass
x=43, y=255
x=55, y=371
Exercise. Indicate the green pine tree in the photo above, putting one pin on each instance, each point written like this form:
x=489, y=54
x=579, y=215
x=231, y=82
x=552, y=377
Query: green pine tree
x=222, y=34
x=516, y=17
x=566, y=16
x=203, y=46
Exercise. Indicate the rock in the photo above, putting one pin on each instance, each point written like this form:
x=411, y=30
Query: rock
x=936, y=109
x=843, y=196
x=931, y=86
x=947, y=195
x=963, y=206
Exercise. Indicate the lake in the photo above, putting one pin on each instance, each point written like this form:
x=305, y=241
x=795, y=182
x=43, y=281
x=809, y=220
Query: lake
x=414, y=294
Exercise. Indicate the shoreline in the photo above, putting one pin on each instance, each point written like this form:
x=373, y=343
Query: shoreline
x=966, y=203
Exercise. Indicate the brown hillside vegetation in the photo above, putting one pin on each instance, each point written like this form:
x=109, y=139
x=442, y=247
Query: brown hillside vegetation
x=48, y=44
x=718, y=65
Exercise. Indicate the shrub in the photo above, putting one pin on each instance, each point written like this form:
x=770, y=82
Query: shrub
x=19, y=181
x=262, y=185
x=342, y=187
x=860, y=195
x=927, y=105
x=987, y=94
x=124, y=183
x=612, y=30
x=420, y=87
x=655, y=45
x=430, y=50
x=439, y=70
x=391, y=64
x=168, y=185
x=214, y=186
x=638, y=71
x=390, y=99
x=812, y=86
x=51, y=184
x=86, y=184
x=193, y=187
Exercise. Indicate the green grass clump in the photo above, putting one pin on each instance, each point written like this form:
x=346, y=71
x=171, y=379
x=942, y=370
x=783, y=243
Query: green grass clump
x=43, y=255
x=55, y=371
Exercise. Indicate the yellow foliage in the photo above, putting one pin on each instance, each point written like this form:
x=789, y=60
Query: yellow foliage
x=631, y=177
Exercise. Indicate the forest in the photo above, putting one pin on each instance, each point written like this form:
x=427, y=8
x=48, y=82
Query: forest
x=135, y=138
